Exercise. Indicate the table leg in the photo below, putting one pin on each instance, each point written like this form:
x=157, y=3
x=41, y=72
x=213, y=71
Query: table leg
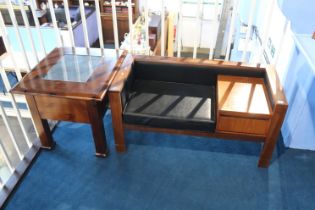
x=116, y=108
x=41, y=125
x=272, y=137
x=98, y=130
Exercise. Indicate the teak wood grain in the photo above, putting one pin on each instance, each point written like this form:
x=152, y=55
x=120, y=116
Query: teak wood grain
x=56, y=108
x=41, y=124
x=243, y=105
x=245, y=95
x=257, y=124
x=95, y=88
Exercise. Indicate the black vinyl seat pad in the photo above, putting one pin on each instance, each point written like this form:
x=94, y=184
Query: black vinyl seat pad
x=171, y=105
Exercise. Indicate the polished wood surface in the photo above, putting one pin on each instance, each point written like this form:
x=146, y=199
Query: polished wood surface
x=41, y=124
x=119, y=81
x=242, y=125
x=115, y=101
x=249, y=108
x=273, y=134
x=84, y=102
x=242, y=105
x=57, y=108
x=116, y=108
x=242, y=94
x=95, y=88
x=98, y=131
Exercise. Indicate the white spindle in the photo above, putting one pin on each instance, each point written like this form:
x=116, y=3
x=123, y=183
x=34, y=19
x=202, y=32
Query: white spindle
x=115, y=25
x=54, y=21
x=29, y=32
x=146, y=18
x=10, y=131
x=17, y=32
x=266, y=31
x=197, y=27
x=249, y=29
x=67, y=12
x=130, y=21
x=83, y=19
x=5, y=155
x=18, y=98
x=163, y=28
x=232, y=29
x=15, y=107
x=99, y=24
x=19, y=76
x=8, y=47
x=40, y=35
x=180, y=30
x=216, y=25
x=12, y=113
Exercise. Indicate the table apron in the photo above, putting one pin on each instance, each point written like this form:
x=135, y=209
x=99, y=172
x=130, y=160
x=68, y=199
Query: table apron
x=56, y=108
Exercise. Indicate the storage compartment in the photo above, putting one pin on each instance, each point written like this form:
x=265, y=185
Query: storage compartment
x=243, y=105
x=243, y=125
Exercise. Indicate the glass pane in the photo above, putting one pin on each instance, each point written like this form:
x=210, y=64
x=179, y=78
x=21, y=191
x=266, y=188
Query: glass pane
x=74, y=68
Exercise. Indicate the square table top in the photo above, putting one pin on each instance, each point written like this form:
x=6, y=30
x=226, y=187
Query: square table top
x=78, y=73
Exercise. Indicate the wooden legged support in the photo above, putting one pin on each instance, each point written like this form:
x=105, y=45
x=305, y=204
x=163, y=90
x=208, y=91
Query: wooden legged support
x=98, y=130
x=41, y=125
x=273, y=134
x=116, y=108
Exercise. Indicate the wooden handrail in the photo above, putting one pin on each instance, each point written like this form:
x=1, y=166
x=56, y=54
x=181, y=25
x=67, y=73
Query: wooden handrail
x=275, y=86
x=122, y=74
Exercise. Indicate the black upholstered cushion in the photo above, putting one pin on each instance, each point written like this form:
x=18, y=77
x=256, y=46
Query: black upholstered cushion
x=171, y=105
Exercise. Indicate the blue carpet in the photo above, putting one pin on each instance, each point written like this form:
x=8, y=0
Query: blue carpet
x=162, y=171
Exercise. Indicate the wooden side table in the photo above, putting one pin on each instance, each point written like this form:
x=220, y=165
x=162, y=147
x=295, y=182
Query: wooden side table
x=70, y=84
x=243, y=105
